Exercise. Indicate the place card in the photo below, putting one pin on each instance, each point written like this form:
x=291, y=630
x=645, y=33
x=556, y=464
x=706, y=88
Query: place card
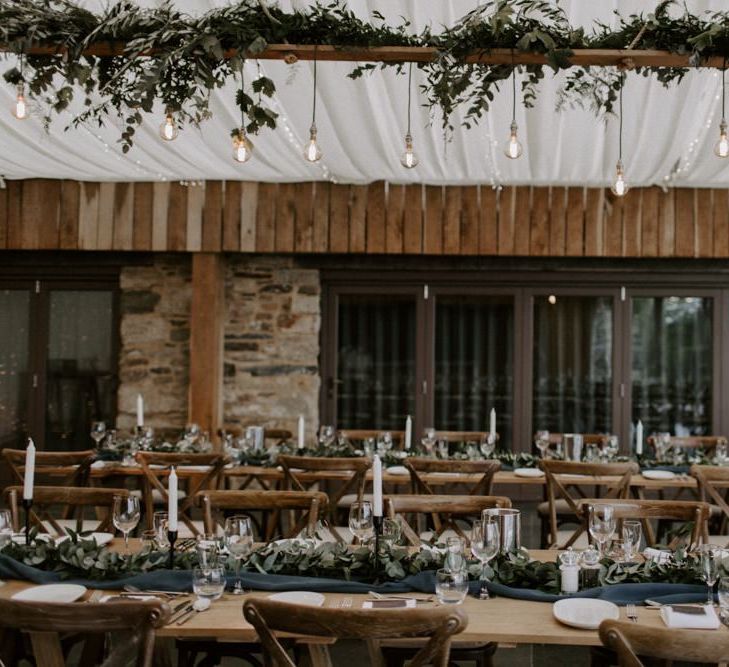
x=389, y=604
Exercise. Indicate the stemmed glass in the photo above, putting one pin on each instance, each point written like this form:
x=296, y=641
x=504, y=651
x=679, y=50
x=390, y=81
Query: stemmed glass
x=443, y=449
x=239, y=540
x=160, y=522
x=360, y=520
x=98, y=432
x=541, y=440
x=602, y=525
x=6, y=528
x=710, y=558
x=428, y=441
x=327, y=434
x=723, y=594
x=632, y=534
x=126, y=516
x=485, y=543
x=384, y=442
x=488, y=444
x=611, y=448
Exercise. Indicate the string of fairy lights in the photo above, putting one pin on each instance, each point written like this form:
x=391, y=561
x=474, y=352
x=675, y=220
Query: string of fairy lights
x=243, y=148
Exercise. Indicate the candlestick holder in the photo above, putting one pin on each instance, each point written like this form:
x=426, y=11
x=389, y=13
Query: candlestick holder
x=377, y=528
x=27, y=504
x=172, y=537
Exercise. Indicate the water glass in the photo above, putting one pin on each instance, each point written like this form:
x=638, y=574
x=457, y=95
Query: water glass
x=149, y=540
x=485, y=543
x=455, y=559
x=126, y=515
x=360, y=520
x=678, y=457
x=488, y=444
x=443, y=449
x=368, y=445
x=710, y=560
x=98, y=432
x=632, y=534
x=451, y=587
x=612, y=448
x=721, y=453
x=239, y=540
x=428, y=441
x=391, y=530
x=724, y=598
x=208, y=550
x=160, y=521
x=208, y=582
x=602, y=525
x=326, y=435
x=384, y=442
x=541, y=440
x=6, y=528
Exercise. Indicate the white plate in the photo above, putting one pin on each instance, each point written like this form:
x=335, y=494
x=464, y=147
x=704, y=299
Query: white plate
x=307, y=598
x=397, y=470
x=101, y=538
x=584, y=613
x=51, y=593
x=528, y=472
x=19, y=538
x=658, y=474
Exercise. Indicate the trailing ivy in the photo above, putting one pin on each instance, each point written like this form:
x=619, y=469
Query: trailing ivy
x=173, y=61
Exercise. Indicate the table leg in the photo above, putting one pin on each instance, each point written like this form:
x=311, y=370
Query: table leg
x=373, y=648
x=319, y=655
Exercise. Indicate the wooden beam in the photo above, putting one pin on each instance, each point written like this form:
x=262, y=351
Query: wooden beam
x=420, y=54
x=205, y=404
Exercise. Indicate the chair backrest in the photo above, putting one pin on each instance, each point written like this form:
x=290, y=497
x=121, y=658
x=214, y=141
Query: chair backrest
x=558, y=487
x=438, y=623
x=462, y=436
x=72, y=498
x=686, y=511
x=484, y=470
x=443, y=508
x=587, y=438
x=357, y=435
x=45, y=621
x=352, y=471
x=708, y=442
x=156, y=466
x=275, y=436
x=712, y=481
x=306, y=505
x=68, y=468
x=631, y=640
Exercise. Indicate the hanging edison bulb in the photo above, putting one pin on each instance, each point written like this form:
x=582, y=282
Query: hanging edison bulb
x=20, y=107
x=619, y=186
x=312, y=152
x=513, y=148
x=242, y=146
x=408, y=158
x=721, y=149
x=168, y=130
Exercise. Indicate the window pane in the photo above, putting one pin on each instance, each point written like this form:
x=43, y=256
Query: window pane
x=80, y=378
x=375, y=361
x=573, y=367
x=474, y=365
x=672, y=364
x=14, y=322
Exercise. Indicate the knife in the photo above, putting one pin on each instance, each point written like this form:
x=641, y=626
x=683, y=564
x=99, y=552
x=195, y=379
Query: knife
x=180, y=610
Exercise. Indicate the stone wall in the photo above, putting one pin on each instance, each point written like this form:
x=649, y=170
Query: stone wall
x=271, y=357
x=155, y=335
x=271, y=372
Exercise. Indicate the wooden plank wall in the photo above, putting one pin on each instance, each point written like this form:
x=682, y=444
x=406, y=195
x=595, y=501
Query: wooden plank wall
x=378, y=218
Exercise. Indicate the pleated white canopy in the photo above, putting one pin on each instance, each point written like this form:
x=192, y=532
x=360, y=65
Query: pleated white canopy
x=668, y=140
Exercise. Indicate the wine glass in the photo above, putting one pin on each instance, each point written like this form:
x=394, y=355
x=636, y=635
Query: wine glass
x=541, y=440
x=368, y=445
x=126, y=516
x=612, y=447
x=602, y=525
x=455, y=559
x=360, y=520
x=98, y=432
x=710, y=558
x=724, y=598
x=384, y=442
x=428, y=441
x=6, y=528
x=485, y=542
x=390, y=530
x=488, y=444
x=160, y=521
x=632, y=534
x=443, y=449
x=239, y=540
x=326, y=435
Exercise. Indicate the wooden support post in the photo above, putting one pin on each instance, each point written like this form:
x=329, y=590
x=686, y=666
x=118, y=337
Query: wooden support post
x=207, y=314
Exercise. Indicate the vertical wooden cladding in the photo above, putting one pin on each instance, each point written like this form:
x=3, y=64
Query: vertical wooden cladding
x=379, y=218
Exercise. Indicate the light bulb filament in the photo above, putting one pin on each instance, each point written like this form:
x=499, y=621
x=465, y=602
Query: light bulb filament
x=619, y=187
x=721, y=149
x=20, y=108
x=513, y=148
x=168, y=130
x=409, y=159
x=312, y=153
x=242, y=146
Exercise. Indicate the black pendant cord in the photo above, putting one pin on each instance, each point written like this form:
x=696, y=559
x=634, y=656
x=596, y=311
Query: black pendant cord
x=723, y=91
x=313, y=106
x=513, y=92
x=377, y=523
x=410, y=93
x=242, y=94
x=27, y=505
x=620, y=127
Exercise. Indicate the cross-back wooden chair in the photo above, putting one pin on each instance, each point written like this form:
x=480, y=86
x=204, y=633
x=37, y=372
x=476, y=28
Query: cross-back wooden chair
x=685, y=511
x=713, y=484
x=420, y=467
x=306, y=508
x=558, y=489
x=46, y=621
x=73, y=499
x=438, y=624
x=707, y=442
x=302, y=473
x=447, y=508
x=633, y=641
x=156, y=467
x=63, y=468
x=271, y=436
x=358, y=435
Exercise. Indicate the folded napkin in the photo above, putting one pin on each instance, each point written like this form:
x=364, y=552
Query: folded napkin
x=706, y=619
x=98, y=464
x=657, y=555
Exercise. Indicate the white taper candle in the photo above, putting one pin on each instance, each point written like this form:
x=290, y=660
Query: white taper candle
x=408, y=432
x=140, y=410
x=29, y=473
x=301, y=431
x=492, y=423
x=377, y=485
x=639, y=438
x=172, y=504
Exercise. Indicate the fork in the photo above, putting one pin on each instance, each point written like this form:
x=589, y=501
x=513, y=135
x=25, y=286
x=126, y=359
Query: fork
x=631, y=612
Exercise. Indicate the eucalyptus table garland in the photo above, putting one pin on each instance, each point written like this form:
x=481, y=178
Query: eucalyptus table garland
x=163, y=55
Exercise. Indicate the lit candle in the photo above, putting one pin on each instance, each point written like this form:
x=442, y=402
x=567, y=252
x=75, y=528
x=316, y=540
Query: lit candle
x=492, y=423
x=639, y=438
x=301, y=431
x=140, y=410
x=29, y=473
x=408, y=432
x=377, y=485
x=172, y=504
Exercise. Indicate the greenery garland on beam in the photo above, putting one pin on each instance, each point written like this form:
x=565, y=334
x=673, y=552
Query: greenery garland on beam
x=125, y=59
